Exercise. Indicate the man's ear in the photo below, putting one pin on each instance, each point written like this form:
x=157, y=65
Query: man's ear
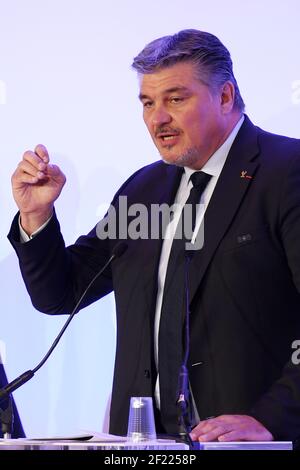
x=227, y=97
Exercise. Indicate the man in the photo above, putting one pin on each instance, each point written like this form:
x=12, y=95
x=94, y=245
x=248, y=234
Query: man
x=243, y=284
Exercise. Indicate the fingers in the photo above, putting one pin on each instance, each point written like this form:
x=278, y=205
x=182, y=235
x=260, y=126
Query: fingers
x=36, y=164
x=52, y=170
x=36, y=184
x=39, y=158
x=213, y=433
x=209, y=430
x=27, y=179
x=41, y=151
x=34, y=170
x=240, y=435
x=231, y=428
x=55, y=174
x=35, y=160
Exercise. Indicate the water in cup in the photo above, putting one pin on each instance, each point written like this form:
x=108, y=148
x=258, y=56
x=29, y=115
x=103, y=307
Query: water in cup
x=141, y=425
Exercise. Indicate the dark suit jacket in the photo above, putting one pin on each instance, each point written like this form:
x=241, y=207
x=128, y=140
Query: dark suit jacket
x=245, y=286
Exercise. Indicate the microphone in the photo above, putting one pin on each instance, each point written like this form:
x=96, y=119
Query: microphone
x=118, y=251
x=183, y=402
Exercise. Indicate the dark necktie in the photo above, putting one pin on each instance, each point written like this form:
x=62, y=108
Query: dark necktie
x=170, y=347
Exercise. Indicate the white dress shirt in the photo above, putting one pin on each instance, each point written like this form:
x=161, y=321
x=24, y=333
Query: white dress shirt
x=24, y=237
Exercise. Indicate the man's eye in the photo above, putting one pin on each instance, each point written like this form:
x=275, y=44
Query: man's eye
x=147, y=104
x=176, y=99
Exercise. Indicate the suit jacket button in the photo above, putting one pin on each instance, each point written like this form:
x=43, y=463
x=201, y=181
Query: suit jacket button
x=147, y=373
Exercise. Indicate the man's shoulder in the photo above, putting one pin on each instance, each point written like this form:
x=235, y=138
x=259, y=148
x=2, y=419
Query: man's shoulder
x=158, y=169
x=155, y=167
x=146, y=178
x=277, y=141
x=275, y=153
x=278, y=138
x=267, y=138
x=278, y=150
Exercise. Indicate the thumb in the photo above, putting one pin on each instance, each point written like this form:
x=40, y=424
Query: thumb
x=55, y=172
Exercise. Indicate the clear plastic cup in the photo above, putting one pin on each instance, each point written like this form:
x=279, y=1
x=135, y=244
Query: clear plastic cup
x=141, y=424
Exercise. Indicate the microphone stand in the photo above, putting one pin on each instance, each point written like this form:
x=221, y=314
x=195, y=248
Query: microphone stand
x=5, y=392
x=7, y=418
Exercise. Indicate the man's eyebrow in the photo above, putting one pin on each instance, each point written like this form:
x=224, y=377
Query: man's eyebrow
x=142, y=97
x=175, y=89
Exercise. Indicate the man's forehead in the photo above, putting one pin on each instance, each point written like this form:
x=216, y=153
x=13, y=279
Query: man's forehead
x=168, y=79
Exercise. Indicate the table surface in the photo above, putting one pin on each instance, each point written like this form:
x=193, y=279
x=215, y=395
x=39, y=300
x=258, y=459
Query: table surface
x=94, y=444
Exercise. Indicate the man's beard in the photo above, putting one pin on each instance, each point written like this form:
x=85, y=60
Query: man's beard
x=189, y=158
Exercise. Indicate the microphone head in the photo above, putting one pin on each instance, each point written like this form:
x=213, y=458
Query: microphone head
x=119, y=249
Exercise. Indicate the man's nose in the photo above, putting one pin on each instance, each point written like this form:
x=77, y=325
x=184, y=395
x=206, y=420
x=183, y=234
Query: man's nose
x=161, y=116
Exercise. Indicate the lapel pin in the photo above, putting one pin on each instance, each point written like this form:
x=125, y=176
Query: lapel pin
x=244, y=175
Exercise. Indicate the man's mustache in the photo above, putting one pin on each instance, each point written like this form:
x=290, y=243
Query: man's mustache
x=161, y=131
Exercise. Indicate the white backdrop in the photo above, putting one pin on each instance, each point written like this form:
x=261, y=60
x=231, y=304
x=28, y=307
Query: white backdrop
x=65, y=81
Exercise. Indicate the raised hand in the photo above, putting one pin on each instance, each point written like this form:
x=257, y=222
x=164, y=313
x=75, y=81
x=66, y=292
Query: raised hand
x=36, y=184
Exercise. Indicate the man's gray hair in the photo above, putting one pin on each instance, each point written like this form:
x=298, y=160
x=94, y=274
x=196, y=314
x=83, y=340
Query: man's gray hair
x=211, y=58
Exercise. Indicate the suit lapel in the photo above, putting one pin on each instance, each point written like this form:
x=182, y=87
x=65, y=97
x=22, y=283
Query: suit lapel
x=236, y=176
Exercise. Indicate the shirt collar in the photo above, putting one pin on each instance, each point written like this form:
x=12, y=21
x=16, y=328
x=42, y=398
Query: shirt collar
x=215, y=163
